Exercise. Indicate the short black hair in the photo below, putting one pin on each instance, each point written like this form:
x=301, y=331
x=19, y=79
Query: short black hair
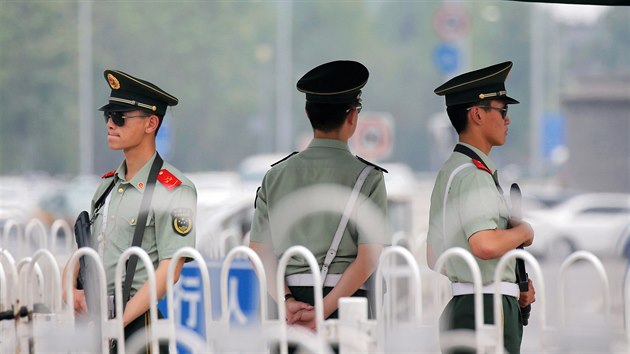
x=327, y=117
x=458, y=114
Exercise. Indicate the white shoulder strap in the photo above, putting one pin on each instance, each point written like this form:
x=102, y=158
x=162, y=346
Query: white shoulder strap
x=332, y=251
x=448, y=186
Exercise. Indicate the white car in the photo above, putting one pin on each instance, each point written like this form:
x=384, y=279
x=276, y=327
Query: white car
x=591, y=222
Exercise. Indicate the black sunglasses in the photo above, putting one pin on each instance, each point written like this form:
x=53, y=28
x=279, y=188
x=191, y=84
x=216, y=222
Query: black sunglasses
x=119, y=117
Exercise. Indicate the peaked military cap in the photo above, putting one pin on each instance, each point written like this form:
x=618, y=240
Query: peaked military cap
x=130, y=93
x=477, y=85
x=335, y=82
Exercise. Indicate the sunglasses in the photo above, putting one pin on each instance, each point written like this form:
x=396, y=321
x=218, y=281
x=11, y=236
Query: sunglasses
x=502, y=111
x=119, y=117
x=358, y=107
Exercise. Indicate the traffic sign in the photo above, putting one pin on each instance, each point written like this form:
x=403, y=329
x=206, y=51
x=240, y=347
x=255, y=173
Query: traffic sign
x=451, y=22
x=447, y=58
x=164, y=138
x=374, y=136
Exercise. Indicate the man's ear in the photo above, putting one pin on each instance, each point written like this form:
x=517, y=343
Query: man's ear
x=353, y=117
x=474, y=116
x=154, y=122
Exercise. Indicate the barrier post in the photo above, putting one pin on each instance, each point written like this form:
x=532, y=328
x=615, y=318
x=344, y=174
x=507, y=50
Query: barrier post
x=205, y=283
x=317, y=288
x=481, y=329
x=532, y=266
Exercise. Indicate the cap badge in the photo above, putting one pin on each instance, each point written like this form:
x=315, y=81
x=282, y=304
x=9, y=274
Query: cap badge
x=113, y=82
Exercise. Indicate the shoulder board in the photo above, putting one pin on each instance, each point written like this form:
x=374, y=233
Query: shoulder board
x=285, y=158
x=481, y=166
x=109, y=174
x=168, y=179
x=371, y=164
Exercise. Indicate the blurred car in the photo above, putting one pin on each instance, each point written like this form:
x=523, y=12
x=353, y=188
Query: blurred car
x=623, y=243
x=65, y=200
x=591, y=222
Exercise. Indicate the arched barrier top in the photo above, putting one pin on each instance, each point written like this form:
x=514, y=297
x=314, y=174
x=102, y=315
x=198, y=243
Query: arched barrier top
x=415, y=273
x=477, y=285
x=599, y=268
x=262, y=281
x=189, y=252
x=118, y=296
x=56, y=279
x=58, y=225
x=35, y=227
x=113, y=327
x=8, y=263
x=534, y=267
x=317, y=288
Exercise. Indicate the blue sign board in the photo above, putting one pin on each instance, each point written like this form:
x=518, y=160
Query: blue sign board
x=553, y=132
x=243, y=296
x=447, y=58
x=164, y=138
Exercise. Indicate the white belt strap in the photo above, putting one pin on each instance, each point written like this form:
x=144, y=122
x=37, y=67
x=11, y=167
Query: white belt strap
x=510, y=289
x=306, y=279
x=332, y=251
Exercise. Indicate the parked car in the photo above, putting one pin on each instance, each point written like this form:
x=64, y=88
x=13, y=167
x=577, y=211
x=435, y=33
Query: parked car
x=591, y=222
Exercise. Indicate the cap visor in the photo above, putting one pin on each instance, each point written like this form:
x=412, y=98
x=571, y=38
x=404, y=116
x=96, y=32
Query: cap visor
x=114, y=107
x=509, y=100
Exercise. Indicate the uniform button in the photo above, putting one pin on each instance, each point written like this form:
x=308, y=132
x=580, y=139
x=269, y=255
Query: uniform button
x=133, y=221
x=120, y=190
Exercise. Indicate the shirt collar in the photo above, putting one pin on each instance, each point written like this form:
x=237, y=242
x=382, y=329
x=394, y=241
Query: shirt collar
x=139, y=181
x=329, y=143
x=484, y=158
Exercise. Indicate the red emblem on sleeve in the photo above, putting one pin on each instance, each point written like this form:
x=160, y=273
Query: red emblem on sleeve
x=109, y=174
x=168, y=180
x=481, y=166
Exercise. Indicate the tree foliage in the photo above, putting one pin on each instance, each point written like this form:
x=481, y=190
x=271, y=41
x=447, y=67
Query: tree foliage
x=218, y=57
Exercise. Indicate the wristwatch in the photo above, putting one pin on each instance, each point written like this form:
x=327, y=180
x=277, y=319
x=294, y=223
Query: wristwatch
x=288, y=296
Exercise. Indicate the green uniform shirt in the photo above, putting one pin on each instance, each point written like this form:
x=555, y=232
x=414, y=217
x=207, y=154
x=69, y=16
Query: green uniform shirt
x=169, y=224
x=473, y=204
x=324, y=162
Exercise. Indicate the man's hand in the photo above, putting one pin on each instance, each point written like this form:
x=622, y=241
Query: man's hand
x=80, y=305
x=294, y=310
x=307, y=319
x=527, y=297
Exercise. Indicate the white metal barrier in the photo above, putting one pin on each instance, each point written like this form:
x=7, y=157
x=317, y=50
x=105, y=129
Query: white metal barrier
x=532, y=266
x=601, y=272
x=68, y=236
x=28, y=280
x=317, y=288
x=110, y=328
x=484, y=333
x=35, y=231
x=189, y=252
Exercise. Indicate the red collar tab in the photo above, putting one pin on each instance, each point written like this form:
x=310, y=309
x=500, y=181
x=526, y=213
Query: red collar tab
x=481, y=166
x=109, y=174
x=168, y=179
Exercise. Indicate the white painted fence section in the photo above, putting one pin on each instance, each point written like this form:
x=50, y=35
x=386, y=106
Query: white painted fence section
x=37, y=279
x=189, y=252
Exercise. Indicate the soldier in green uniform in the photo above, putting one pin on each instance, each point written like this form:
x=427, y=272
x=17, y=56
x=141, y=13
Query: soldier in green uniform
x=133, y=117
x=333, y=103
x=468, y=209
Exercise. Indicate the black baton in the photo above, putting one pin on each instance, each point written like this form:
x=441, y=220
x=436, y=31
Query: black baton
x=521, y=272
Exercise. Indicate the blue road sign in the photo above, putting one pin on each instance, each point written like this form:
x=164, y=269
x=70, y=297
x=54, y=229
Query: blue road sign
x=447, y=58
x=553, y=132
x=243, y=296
x=164, y=138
